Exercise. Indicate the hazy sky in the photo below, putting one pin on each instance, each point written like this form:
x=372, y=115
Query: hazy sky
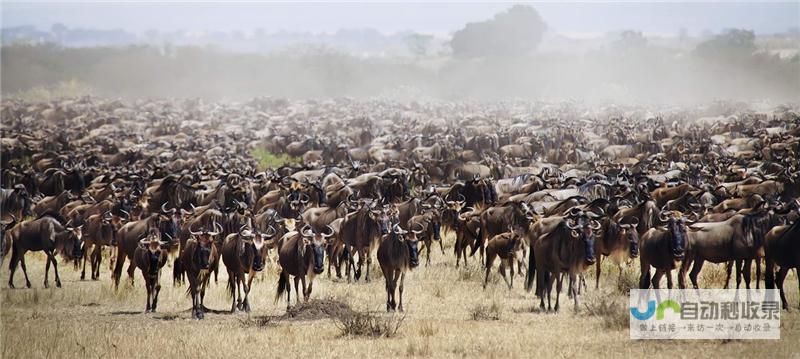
x=441, y=18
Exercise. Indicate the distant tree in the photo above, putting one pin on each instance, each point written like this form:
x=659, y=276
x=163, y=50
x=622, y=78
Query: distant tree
x=515, y=32
x=418, y=44
x=733, y=44
x=630, y=40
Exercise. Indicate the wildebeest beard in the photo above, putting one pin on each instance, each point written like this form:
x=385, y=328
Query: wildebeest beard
x=258, y=261
x=755, y=227
x=201, y=256
x=319, y=257
x=169, y=228
x=587, y=237
x=154, y=258
x=413, y=253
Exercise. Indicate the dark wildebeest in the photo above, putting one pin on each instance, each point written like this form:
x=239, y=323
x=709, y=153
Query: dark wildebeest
x=5, y=244
x=360, y=232
x=128, y=238
x=468, y=233
x=430, y=222
x=53, y=204
x=150, y=256
x=99, y=230
x=620, y=242
x=740, y=239
x=43, y=234
x=300, y=254
x=244, y=254
x=661, y=247
x=196, y=258
x=504, y=245
x=782, y=248
x=16, y=201
x=397, y=253
x=569, y=248
x=496, y=220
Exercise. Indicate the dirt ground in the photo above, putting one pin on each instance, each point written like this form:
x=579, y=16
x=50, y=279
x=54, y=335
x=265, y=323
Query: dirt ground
x=89, y=319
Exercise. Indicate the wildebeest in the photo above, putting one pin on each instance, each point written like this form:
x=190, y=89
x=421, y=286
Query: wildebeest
x=196, y=258
x=661, y=247
x=397, y=253
x=360, y=232
x=781, y=248
x=46, y=234
x=244, y=254
x=620, y=242
x=99, y=230
x=505, y=246
x=430, y=222
x=150, y=256
x=300, y=254
x=15, y=201
x=128, y=238
x=569, y=249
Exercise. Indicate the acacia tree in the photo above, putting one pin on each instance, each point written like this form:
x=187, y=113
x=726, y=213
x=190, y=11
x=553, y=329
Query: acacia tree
x=515, y=32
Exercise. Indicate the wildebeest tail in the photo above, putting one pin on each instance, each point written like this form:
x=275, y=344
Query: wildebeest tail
x=530, y=274
x=282, y=283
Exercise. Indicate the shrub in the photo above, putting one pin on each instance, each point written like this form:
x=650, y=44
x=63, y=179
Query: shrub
x=369, y=325
x=486, y=312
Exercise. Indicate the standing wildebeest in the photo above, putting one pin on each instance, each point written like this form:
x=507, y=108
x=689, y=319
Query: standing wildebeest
x=468, y=232
x=431, y=223
x=620, y=242
x=150, y=256
x=495, y=220
x=5, y=244
x=43, y=234
x=782, y=248
x=300, y=254
x=128, y=238
x=99, y=231
x=244, y=255
x=16, y=202
x=505, y=246
x=360, y=232
x=569, y=248
x=661, y=247
x=196, y=258
x=397, y=254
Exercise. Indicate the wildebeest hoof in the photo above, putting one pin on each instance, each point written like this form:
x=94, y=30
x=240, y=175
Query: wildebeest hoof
x=58, y=284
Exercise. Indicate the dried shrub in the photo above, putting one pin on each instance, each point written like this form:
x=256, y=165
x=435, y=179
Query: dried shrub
x=486, y=312
x=369, y=325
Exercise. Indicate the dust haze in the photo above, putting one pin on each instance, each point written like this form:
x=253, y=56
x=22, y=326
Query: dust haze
x=515, y=53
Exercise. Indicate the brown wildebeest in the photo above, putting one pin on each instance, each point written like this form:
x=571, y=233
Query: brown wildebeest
x=360, y=232
x=431, y=223
x=196, y=258
x=99, y=231
x=397, y=253
x=661, y=247
x=5, y=243
x=569, y=248
x=782, y=248
x=740, y=239
x=504, y=245
x=300, y=255
x=46, y=234
x=620, y=242
x=244, y=255
x=468, y=232
x=128, y=238
x=664, y=194
x=150, y=256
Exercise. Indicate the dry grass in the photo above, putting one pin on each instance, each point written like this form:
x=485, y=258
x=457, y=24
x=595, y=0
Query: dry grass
x=486, y=312
x=88, y=319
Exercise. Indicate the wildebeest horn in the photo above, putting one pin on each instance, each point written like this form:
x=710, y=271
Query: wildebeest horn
x=330, y=231
x=270, y=232
x=574, y=211
x=304, y=231
x=462, y=199
x=662, y=214
x=595, y=225
x=566, y=222
x=306, y=198
x=417, y=232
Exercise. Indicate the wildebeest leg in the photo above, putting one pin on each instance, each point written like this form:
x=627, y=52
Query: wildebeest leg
x=247, y=290
x=131, y=269
x=782, y=271
x=369, y=263
x=149, y=289
x=307, y=289
x=177, y=272
x=24, y=268
x=698, y=265
x=558, y=289
x=572, y=278
x=739, y=265
x=97, y=258
x=233, y=288
x=117, y=273
x=12, y=266
x=402, y=279
x=728, y=270
x=669, y=278
x=47, y=270
x=428, y=252
x=657, y=278
x=288, y=290
x=597, y=271
x=758, y=272
x=441, y=245
x=489, y=262
x=156, y=290
x=644, y=277
x=297, y=288
x=86, y=247
x=511, y=269
x=747, y=266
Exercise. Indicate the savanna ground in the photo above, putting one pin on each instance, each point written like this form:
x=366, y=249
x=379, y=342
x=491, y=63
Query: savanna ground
x=447, y=315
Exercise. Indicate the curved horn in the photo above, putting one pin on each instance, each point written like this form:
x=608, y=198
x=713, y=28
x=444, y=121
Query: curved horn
x=661, y=215
x=417, y=232
x=306, y=229
x=595, y=225
x=566, y=222
x=164, y=207
x=330, y=231
x=270, y=232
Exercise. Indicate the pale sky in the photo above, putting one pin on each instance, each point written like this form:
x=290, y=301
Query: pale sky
x=437, y=18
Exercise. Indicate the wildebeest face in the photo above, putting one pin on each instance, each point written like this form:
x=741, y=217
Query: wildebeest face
x=413, y=251
x=203, y=252
x=318, y=250
x=259, y=253
x=383, y=219
x=629, y=233
x=677, y=228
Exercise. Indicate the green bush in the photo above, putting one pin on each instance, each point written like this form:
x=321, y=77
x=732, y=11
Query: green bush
x=268, y=159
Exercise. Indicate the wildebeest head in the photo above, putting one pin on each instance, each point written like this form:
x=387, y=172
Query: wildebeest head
x=583, y=228
x=70, y=246
x=628, y=232
x=255, y=246
x=23, y=198
x=205, y=244
x=381, y=216
x=318, y=242
x=676, y=226
x=154, y=246
x=412, y=242
x=169, y=223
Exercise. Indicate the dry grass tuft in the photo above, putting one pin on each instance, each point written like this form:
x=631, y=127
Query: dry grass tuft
x=318, y=309
x=627, y=281
x=419, y=350
x=486, y=312
x=368, y=325
x=712, y=276
x=427, y=330
x=610, y=309
x=261, y=321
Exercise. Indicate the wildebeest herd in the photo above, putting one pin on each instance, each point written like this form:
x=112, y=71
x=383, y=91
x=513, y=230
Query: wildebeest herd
x=547, y=190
